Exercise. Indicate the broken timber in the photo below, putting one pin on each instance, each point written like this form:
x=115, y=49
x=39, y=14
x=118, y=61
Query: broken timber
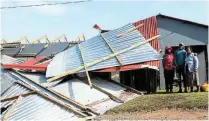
x=16, y=96
x=83, y=107
x=52, y=100
x=11, y=108
x=118, y=59
x=100, y=60
x=135, y=28
x=84, y=64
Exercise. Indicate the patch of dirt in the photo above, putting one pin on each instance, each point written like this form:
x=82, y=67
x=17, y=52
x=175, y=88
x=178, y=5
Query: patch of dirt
x=164, y=114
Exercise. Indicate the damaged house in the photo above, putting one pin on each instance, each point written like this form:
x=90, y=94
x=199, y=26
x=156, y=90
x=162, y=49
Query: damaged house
x=41, y=78
x=83, y=79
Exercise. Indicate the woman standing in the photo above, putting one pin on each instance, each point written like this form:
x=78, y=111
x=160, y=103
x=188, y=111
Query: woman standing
x=168, y=65
x=191, y=70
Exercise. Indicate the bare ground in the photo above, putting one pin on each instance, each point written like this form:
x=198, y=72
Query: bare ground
x=164, y=114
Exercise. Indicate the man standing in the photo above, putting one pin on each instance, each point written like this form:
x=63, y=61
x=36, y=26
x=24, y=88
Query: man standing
x=180, y=56
x=168, y=63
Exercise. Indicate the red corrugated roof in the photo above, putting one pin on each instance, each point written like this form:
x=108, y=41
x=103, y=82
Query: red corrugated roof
x=148, y=30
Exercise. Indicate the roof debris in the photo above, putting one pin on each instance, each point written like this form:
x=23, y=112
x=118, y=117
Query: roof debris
x=30, y=95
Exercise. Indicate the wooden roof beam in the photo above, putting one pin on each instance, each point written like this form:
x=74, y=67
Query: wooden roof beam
x=16, y=96
x=84, y=64
x=118, y=59
x=11, y=108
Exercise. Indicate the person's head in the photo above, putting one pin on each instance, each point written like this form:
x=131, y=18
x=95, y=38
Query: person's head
x=181, y=46
x=189, y=50
x=168, y=49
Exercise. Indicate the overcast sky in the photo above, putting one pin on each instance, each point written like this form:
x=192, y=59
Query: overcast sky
x=74, y=19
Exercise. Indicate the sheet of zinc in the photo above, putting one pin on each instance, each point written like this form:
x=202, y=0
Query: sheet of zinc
x=80, y=92
x=6, y=81
x=96, y=48
x=42, y=90
x=32, y=48
x=10, y=51
x=12, y=91
x=139, y=54
x=36, y=108
x=40, y=78
x=92, y=49
x=10, y=60
x=54, y=48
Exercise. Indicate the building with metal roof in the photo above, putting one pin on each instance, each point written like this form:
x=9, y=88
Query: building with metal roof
x=174, y=30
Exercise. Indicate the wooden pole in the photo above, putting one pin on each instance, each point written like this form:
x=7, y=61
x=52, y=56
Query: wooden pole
x=130, y=30
x=84, y=64
x=100, y=60
x=52, y=100
x=118, y=59
x=83, y=107
x=11, y=108
x=16, y=96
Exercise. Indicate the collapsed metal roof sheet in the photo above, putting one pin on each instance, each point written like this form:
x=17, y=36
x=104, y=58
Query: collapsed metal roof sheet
x=54, y=48
x=11, y=51
x=40, y=78
x=82, y=93
x=12, y=91
x=96, y=48
x=10, y=60
x=34, y=107
x=31, y=49
x=6, y=80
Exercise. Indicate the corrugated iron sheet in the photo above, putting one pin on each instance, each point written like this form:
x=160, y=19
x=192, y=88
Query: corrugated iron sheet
x=40, y=78
x=6, y=80
x=54, y=48
x=82, y=93
x=12, y=91
x=31, y=49
x=36, y=108
x=148, y=30
x=96, y=48
x=10, y=60
x=11, y=51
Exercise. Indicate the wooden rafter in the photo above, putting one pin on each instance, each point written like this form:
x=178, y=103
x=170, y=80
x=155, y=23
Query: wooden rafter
x=84, y=64
x=11, y=108
x=23, y=38
x=16, y=96
x=130, y=30
x=58, y=38
x=101, y=59
x=39, y=40
x=118, y=59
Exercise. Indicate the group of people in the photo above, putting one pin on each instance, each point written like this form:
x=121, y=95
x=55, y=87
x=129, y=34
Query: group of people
x=185, y=62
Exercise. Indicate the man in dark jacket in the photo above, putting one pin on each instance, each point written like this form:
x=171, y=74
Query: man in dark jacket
x=168, y=63
x=180, y=56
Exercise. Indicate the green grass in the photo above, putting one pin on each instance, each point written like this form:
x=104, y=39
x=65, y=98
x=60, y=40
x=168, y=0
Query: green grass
x=146, y=103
